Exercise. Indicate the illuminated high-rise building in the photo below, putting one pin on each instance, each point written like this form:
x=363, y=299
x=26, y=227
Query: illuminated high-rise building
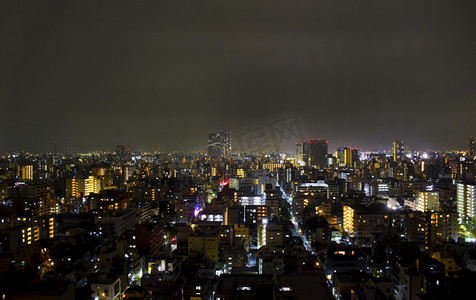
x=226, y=142
x=347, y=157
x=466, y=201
x=76, y=187
x=92, y=185
x=219, y=144
x=355, y=159
x=359, y=221
x=29, y=234
x=26, y=172
x=299, y=154
x=314, y=153
x=472, y=147
x=442, y=226
x=72, y=188
x=428, y=201
x=398, y=150
x=340, y=156
x=47, y=227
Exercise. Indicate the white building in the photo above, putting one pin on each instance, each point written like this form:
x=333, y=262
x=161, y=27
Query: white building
x=466, y=200
x=428, y=201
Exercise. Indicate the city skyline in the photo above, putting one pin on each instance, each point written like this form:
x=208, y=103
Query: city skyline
x=162, y=76
x=220, y=225
x=386, y=148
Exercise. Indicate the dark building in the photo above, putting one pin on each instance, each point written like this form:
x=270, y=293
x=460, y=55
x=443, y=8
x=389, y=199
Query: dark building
x=150, y=237
x=280, y=286
x=472, y=147
x=123, y=154
x=219, y=144
x=339, y=259
x=312, y=153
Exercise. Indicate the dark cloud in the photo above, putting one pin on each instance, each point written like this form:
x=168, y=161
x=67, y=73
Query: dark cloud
x=163, y=74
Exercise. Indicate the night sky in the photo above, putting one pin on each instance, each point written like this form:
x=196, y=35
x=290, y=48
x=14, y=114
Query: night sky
x=161, y=75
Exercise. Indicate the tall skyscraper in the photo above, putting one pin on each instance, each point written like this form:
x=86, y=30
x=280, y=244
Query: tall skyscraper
x=398, y=150
x=313, y=153
x=466, y=201
x=26, y=172
x=298, y=157
x=226, y=134
x=472, y=147
x=214, y=144
x=347, y=157
x=219, y=144
x=123, y=154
